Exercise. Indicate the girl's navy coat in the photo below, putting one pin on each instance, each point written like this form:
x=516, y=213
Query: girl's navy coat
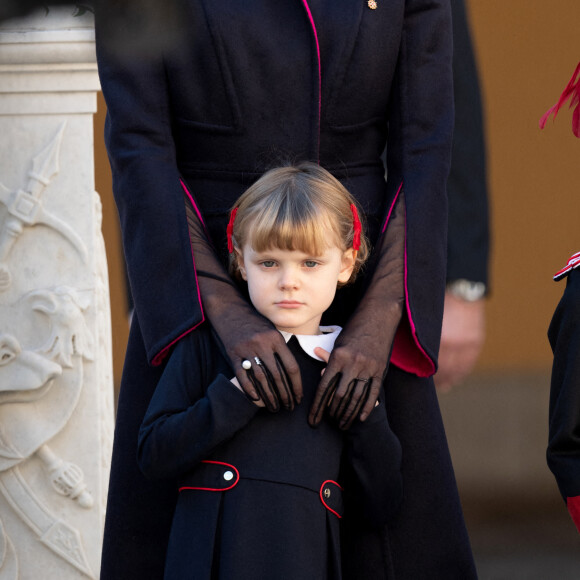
x=261, y=494
x=249, y=84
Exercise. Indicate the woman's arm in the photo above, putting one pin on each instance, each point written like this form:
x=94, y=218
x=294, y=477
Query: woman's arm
x=147, y=190
x=245, y=334
x=420, y=123
x=362, y=349
x=168, y=281
x=184, y=422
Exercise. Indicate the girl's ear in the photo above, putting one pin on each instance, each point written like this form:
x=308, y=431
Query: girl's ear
x=347, y=265
x=240, y=262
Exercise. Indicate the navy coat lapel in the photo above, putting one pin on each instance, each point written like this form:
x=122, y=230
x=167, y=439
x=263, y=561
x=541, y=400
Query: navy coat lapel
x=265, y=53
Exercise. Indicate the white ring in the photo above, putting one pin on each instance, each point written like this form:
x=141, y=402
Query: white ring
x=258, y=361
x=246, y=364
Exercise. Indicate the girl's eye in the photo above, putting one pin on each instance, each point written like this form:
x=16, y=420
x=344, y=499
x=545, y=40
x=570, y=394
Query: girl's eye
x=268, y=263
x=311, y=263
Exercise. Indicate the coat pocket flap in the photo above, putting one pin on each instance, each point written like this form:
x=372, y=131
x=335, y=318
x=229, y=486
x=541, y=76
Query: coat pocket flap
x=331, y=497
x=212, y=476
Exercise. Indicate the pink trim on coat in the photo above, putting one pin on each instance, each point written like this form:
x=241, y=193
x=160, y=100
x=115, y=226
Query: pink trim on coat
x=391, y=208
x=573, y=505
x=313, y=25
x=408, y=354
x=236, y=481
x=192, y=201
x=160, y=356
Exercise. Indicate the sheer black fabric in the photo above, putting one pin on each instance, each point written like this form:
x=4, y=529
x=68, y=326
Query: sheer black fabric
x=244, y=333
x=357, y=366
x=358, y=354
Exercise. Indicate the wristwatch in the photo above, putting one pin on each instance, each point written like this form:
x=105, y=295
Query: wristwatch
x=467, y=290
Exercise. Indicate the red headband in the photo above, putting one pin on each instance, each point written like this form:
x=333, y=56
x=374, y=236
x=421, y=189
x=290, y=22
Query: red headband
x=230, y=230
x=357, y=228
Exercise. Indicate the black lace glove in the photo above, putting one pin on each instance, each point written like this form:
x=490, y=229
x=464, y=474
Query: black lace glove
x=352, y=380
x=245, y=334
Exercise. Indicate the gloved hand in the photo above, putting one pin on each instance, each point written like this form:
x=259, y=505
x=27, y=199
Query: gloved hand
x=352, y=380
x=245, y=334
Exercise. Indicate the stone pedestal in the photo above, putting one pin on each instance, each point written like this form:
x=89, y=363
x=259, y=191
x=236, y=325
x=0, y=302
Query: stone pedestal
x=56, y=391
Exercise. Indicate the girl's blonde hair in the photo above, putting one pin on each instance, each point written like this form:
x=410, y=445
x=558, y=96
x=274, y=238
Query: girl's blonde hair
x=295, y=208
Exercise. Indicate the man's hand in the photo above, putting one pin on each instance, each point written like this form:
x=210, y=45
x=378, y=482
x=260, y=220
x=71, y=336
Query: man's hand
x=462, y=338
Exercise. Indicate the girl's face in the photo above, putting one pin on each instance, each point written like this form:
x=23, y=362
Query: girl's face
x=292, y=289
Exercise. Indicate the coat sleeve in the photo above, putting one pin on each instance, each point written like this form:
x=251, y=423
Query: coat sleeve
x=468, y=232
x=371, y=468
x=564, y=426
x=185, y=422
x=147, y=191
x=418, y=157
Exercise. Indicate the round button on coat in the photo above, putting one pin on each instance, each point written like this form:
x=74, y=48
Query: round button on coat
x=228, y=475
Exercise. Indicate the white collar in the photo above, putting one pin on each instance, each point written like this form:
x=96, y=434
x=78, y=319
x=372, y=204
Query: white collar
x=309, y=342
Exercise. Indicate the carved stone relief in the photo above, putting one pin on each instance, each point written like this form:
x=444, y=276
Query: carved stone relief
x=103, y=348
x=56, y=415
x=25, y=207
x=45, y=342
x=56, y=411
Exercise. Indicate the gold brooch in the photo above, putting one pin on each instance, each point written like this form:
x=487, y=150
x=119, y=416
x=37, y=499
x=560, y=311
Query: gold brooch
x=372, y=4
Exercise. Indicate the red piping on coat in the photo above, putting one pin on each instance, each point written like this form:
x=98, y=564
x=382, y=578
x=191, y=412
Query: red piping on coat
x=422, y=367
x=236, y=481
x=573, y=262
x=573, y=505
x=192, y=202
x=322, y=497
x=160, y=356
x=406, y=342
x=391, y=208
x=313, y=25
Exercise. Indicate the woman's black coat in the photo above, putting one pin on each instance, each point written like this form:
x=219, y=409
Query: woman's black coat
x=241, y=91
x=246, y=86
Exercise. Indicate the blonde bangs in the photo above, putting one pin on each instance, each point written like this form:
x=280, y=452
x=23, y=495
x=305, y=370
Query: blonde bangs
x=291, y=228
x=302, y=208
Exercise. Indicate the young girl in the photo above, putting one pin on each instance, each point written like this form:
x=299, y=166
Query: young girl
x=261, y=494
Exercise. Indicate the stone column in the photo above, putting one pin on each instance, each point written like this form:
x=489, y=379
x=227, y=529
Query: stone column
x=56, y=388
